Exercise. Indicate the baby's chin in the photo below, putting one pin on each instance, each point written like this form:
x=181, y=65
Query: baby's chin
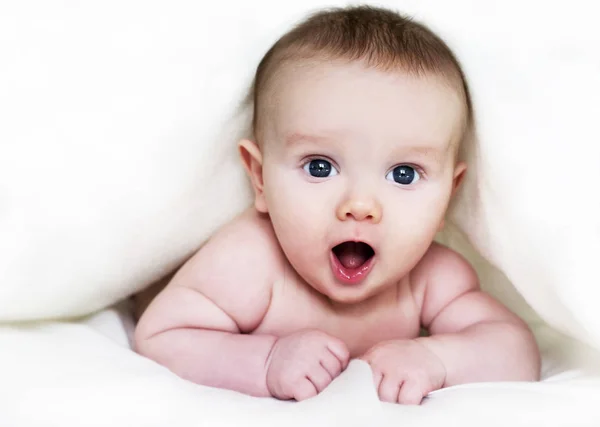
x=349, y=295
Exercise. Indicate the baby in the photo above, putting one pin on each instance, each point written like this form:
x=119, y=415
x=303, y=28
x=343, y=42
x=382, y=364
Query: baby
x=359, y=115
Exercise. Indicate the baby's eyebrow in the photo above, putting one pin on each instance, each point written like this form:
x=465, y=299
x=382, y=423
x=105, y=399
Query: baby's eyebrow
x=424, y=150
x=433, y=152
x=296, y=137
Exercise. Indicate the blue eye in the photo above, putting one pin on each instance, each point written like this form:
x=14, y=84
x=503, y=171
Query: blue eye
x=320, y=168
x=404, y=175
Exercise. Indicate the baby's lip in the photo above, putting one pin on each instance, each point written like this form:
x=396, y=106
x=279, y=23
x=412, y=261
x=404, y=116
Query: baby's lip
x=367, y=242
x=354, y=246
x=350, y=275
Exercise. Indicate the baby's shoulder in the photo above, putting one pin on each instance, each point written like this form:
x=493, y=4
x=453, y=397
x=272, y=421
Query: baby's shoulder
x=236, y=269
x=247, y=244
x=440, y=258
x=443, y=270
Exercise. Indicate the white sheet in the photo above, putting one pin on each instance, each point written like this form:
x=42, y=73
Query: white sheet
x=82, y=373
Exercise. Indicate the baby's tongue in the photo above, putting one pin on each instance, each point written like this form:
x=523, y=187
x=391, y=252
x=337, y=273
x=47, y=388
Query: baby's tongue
x=352, y=255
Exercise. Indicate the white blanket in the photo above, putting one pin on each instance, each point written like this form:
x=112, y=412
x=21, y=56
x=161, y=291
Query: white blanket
x=117, y=158
x=84, y=374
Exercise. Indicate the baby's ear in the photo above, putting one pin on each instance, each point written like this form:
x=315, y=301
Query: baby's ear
x=252, y=161
x=459, y=174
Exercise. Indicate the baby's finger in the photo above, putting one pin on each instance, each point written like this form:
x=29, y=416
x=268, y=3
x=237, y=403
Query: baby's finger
x=338, y=349
x=389, y=389
x=320, y=378
x=377, y=377
x=366, y=357
x=331, y=364
x=304, y=389
x=410, y=393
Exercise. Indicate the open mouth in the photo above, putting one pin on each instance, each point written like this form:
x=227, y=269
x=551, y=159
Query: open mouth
x=351, y=261
x=353, y=254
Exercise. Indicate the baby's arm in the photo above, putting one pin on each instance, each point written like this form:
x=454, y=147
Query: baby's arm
x=199, y=325
x=475, y=337
x=195, y=326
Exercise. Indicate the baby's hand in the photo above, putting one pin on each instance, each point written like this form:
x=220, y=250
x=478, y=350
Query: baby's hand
x=302, y=364
x=405, y=371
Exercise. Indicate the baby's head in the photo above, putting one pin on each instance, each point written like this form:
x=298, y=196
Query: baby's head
x=359, y=114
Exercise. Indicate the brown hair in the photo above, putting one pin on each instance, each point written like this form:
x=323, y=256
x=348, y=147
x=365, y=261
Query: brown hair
x=379, y=37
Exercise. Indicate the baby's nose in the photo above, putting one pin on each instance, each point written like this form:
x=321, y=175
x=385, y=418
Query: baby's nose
x=360, y=209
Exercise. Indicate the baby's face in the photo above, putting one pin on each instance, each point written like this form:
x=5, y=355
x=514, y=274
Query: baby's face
x=352, y=154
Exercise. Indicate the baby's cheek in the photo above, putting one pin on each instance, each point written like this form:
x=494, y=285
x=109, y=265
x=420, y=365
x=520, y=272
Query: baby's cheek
x=297, y=226
x=304, y=209
x=411, y=235
x=417, y=212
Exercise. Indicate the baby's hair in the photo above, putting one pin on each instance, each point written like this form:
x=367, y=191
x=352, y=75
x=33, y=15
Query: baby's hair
x=380, y=38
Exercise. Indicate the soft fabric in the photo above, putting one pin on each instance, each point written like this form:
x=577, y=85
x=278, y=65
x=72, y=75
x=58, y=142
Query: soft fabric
x=119, y=123
x=83, y=373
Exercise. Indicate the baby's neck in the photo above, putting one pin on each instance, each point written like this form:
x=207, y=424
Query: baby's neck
x=387, y=296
